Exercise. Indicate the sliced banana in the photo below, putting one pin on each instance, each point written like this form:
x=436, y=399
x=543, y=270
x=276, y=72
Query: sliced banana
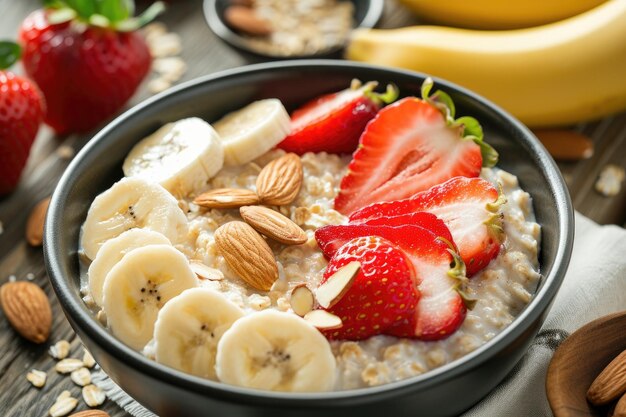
x=113, y=251
x=250, y=132
x=275, y=351
x=139, y=285
x=189, y=327
x=180, y=156
x=132, y=203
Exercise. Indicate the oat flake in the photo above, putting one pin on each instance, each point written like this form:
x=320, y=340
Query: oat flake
x=88, y=360
x=37, y=378
x=81, y=377
x=63, y=406
x=60, y=349
x=68, y=365
x=93, y=395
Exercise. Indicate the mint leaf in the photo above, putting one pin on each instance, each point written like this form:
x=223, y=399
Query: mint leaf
x=9, y=53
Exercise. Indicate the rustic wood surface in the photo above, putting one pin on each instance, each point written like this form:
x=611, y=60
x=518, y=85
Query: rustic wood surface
x=204, y=54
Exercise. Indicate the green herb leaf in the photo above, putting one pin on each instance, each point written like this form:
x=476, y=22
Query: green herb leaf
x=10, y=52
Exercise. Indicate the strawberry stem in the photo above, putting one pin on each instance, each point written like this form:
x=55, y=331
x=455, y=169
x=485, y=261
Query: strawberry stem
x=10, y=52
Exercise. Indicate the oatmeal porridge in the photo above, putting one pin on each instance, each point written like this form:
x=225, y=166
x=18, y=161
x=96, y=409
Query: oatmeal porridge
x=180, y=273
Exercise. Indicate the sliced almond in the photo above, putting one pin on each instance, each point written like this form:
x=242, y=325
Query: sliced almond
x=248, y=254
x=63, y=406
x=224, y=198
x=60, y=349
x=273, y=225
x=337, y=285
x=301, y=300
x=88, y=360
x=81, y=377
x=35, y=223
x=93, y=395
x=323, y=320
x=204, y=272
x=279, y=181
x=566, y=145
x=68, y=365
x=611, y=383
x=37, y=378
x=27, y=308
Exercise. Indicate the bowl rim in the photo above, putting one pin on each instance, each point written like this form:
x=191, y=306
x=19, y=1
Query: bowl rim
x=222, y=31
x=74, y=306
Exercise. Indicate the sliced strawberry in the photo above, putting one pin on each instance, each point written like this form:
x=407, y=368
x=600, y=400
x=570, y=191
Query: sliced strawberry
x=470, y=207
x=334, y=122
x=331, y=238
x=423, y=219
x=383, y=293
x=408, y=147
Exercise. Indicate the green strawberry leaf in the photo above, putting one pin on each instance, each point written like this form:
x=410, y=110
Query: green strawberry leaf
x=10, y=52
x=61, y=15
x=116, y=10
x=84, y=8
x=427, y=85
x=143, y=19
x=443, y=99
x=471, y=127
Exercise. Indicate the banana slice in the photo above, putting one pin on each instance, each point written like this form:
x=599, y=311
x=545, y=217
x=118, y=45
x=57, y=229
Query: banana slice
x=180, y=156
x=131, y=203
x=113, y=251
x=250, y=132
x=139, y=285
x=275, y=351
x=189, y=327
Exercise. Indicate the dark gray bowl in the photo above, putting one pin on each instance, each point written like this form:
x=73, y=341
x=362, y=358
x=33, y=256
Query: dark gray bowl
x=442, y=392
x=366, y=15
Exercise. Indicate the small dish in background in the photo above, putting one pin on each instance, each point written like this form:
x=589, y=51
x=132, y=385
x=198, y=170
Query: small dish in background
x=579, y=360
x=287, y=43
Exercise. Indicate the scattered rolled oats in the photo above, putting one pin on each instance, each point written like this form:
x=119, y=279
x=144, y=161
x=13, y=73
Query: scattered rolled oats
x=93, y=395
x=60, y=349
x=81, y=377
x=154, y=30
x=64, y=394
x=63, y=406
x=170, y=68
x=88, y=360
x=37, y=378
x=259, y=302
x=68, y=365
x=65, y=152
x=609, y=182
x=158, y=85
x=30, y=276
x=167, y=44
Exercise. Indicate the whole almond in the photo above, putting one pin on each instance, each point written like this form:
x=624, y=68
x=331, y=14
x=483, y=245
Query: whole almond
x=27, y=309
x=248, y=254
x=566, y=145
x=224, y=198
x=246, y=20
x=91, y=413
x=273, y=225
x=620, y=407
x=611, y=383
x=279, y=181
x=34, y=225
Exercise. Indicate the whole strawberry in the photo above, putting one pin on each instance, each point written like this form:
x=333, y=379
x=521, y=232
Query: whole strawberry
x=21, y=113
x=87, y=58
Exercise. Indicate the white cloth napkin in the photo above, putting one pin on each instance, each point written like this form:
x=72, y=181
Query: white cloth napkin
x=595, y=285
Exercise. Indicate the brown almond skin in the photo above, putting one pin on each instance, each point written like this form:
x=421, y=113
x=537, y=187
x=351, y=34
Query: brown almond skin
x=35, y=223
x=620, y=407
x=279, y=181
x=273, y=224
x=226, y=198
x=91, y=413
x=27, y=308
x=566, y=145
x=611, y=383
x=248, y=254
x=246, y=20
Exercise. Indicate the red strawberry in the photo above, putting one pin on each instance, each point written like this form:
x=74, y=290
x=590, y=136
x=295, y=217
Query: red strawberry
x=86, y=73
x=383, y=293
x=410, y=146
x=333, y=122
x=21, y=113
x=331, y=238
x=468, y=206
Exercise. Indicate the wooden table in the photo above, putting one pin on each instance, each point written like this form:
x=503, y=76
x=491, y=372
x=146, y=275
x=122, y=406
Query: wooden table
x=204, y=54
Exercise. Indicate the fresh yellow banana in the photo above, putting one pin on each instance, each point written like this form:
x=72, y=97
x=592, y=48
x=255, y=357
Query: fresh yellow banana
x=498, y=14
x=561, y=73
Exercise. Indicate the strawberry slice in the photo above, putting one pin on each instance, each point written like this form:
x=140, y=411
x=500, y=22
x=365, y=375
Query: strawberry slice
x=410, y=146
x=334, y=122
x=383, y=293
x=331, y=238
x=470, y=207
